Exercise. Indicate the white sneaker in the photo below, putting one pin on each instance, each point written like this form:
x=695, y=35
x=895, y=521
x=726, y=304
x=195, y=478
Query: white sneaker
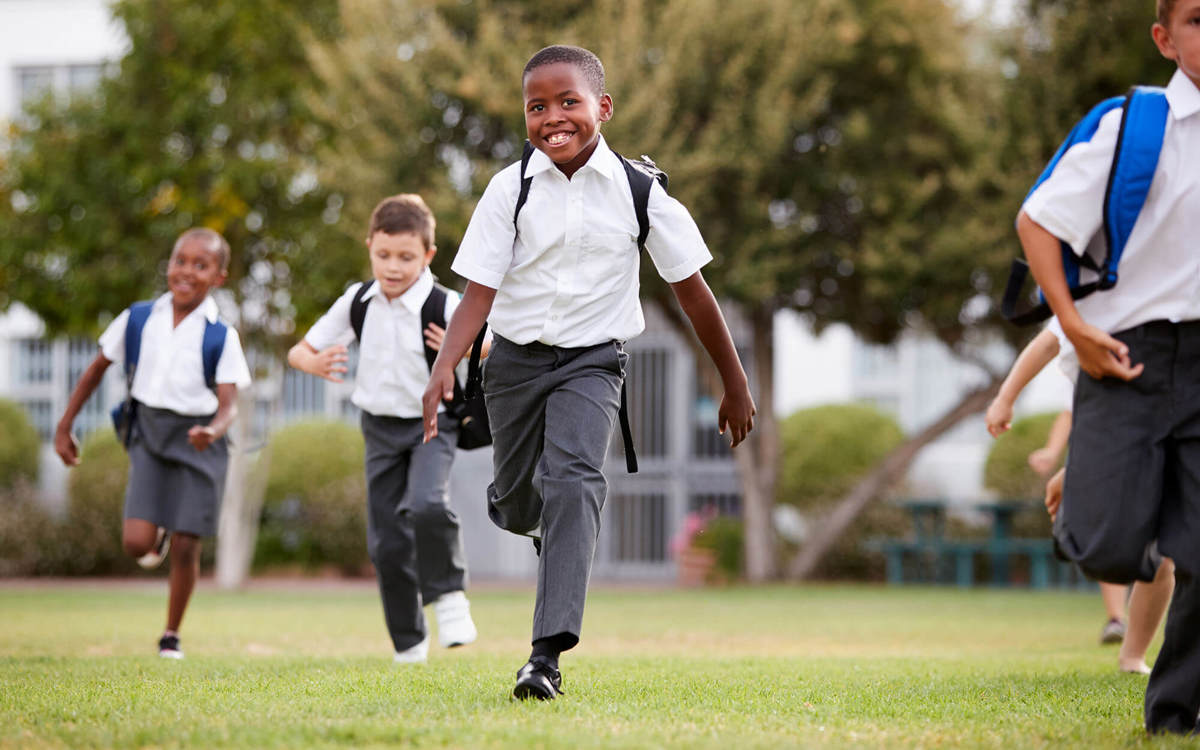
x=413, y=654
x=454, y=624
x=157, y=553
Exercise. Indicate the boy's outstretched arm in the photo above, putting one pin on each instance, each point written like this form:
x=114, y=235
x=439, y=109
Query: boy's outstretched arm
x=329, y=364
x=1033, y=359
x=1099, y=354
x=1043, y=459
x=65, y=444
x=737, y=406
x=202, y=436
x=461, y=331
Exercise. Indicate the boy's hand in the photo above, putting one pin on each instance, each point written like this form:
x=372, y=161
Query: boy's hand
x=441, y=387
x=434, y=337
x=201, y=436
x=330, y=363
x=1101, y=355
x=66, y=447
x=1054, y=489
x=736, y=414
x=999, y=417
x=1042, y=461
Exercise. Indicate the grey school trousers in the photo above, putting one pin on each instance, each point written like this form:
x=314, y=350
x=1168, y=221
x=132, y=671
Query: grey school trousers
x=413, y=535
x=552, y=412
x=1133, y=481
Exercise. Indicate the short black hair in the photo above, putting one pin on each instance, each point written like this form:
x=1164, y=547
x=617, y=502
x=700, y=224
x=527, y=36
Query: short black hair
x=405, y=212
x=584, y=60
x=211, y=238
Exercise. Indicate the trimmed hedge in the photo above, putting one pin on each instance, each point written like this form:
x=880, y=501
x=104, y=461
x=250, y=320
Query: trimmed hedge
x=20, y=447
x=825, y=450
x=314, y=508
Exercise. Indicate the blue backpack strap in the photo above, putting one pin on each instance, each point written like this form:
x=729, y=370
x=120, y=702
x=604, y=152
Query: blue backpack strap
x=358, y=309
x=211, y=347
x=139, y=313
x=1129, y=181
x=1139, y=144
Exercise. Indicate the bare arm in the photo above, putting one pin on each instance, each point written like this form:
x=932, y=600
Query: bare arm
x=329, y=364
x=1044, y=459
x=64, y=442
x=201, y=436
x=1033, y=359
x=461, y=331
x=737, y=406
x=1099, y=354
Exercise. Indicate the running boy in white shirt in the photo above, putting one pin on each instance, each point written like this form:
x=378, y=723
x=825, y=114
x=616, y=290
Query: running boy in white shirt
x=1134, y=472
x=558, y=283
x=413, y=535
x=177, y=450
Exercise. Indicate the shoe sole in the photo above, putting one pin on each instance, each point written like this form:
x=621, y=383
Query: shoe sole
x=171, y=654
x=525, y=692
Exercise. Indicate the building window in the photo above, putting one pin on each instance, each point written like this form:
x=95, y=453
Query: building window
x=647, y=388
x=302, y=394
x=637, y=527
x=35, y=362
x=94, y=414
x=725, y=504
x=34, y=81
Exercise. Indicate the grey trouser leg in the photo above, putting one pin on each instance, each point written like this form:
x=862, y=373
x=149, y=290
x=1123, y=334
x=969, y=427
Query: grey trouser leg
x=1133, y=480
x=552, y=413
x=413, y=535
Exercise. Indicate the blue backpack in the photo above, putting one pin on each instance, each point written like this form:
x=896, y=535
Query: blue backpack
x=1135, y=158
x=211, y=347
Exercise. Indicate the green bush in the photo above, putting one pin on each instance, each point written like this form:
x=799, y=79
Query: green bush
x=314, y=508
x=20, y=447
x=824, y=451
x=1007, y=469
x=27, y=532
x=724, y=536
x=90, y=534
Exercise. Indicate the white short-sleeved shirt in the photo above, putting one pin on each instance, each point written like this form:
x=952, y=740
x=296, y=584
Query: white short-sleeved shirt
x=1159, y=273
x=569, y=276
x=392, y=370
x=170, y=367
x=1067, y=361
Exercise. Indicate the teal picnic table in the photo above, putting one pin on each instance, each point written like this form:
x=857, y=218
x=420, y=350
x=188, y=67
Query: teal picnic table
x=934, y=558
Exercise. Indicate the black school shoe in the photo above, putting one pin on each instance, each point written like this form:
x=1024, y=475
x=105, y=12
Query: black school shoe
x=168, y=647
x=537, y=679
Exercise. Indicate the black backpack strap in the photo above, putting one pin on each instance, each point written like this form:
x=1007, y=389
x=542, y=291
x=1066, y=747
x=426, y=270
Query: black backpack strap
x=631, y=464
x=434, y=311
x=642, y=175
x=358, y=309
x=525, y=182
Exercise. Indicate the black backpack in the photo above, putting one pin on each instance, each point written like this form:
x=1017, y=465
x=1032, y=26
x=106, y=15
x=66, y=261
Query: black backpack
x=467, y=406
x=642, y=174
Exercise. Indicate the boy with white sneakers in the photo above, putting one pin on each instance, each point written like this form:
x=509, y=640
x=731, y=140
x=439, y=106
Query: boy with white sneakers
x=413, y=535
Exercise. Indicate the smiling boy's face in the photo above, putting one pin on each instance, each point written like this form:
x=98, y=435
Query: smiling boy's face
x=397, y=261
x=563, y=114
x=195, y=267
x=1179, y=40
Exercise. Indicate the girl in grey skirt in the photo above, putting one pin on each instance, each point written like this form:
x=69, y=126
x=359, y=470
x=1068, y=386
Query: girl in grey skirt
x=184, y=368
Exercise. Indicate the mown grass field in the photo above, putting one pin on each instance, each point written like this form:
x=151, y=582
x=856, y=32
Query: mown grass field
x=309, y=666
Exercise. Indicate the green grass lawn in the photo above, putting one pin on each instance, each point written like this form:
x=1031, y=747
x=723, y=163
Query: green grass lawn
x=310, y=666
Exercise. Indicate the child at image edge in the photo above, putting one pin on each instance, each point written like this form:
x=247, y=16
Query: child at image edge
x=1133, y=477
x=560, y=291
x=412, y=534
x=177, y=450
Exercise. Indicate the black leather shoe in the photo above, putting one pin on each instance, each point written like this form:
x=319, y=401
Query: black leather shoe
x=537, y=679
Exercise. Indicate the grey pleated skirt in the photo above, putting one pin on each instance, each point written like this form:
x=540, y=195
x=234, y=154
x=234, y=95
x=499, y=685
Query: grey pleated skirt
x=171, y=484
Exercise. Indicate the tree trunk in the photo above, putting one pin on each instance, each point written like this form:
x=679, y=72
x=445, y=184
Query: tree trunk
x=884, y=475
x=757, y=458
x=245, y=484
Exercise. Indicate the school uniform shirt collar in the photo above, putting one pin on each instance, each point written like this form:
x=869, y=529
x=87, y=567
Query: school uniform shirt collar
x=208, y=308
x=413, y=298
x=602, y=161
x=1183, y=96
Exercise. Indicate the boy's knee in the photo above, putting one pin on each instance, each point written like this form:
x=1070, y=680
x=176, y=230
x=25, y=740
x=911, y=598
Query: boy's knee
x=185, y=547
